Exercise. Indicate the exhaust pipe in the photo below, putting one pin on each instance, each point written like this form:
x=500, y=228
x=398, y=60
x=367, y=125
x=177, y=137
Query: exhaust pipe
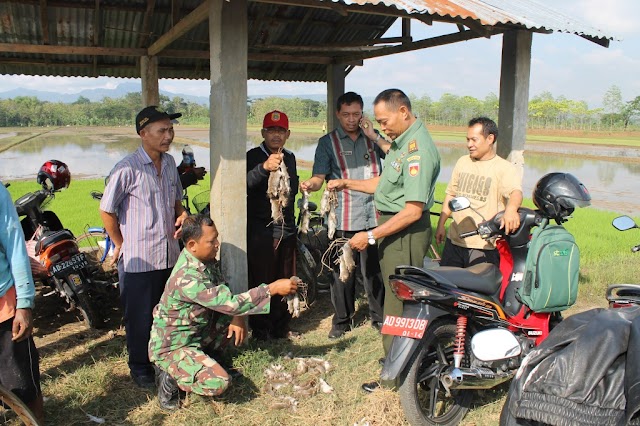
x=473, y=378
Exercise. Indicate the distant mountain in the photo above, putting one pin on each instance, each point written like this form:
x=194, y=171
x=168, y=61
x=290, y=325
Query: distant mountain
x=95, y=95
x=122, y=89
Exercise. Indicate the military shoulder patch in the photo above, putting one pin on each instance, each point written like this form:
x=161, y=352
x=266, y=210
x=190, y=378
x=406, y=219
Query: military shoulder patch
x=414, y=158
x=413, y=146
x=414, y=168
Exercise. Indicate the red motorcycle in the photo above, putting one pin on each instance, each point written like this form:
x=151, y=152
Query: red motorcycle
x=62, y=266
x=467, y=329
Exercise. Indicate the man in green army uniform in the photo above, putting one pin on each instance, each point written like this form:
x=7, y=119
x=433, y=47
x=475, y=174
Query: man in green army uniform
x=194, y=316
x=403, y=195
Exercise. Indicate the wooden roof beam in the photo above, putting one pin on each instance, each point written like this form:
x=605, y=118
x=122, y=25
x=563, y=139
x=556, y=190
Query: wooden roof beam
x=146, y=23
x=44, y=21
x=186, y=24
x=421, y=44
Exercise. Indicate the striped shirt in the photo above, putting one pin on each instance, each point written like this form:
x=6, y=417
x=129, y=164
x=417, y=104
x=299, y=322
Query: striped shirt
x=145, y=205
x=339, y=157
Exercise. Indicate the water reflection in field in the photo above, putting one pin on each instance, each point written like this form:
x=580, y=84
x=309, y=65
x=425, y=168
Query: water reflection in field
x=89, y=155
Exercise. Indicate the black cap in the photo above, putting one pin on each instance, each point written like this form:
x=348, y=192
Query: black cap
x=150, y=114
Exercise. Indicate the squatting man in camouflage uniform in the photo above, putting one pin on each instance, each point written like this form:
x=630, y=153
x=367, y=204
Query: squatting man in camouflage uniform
x=194, y=317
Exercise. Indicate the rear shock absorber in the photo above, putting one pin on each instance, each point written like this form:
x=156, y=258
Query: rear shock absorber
x=461, y=332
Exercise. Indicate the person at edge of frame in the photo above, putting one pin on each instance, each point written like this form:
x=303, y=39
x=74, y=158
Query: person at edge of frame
x=353, y=150
x=19, y=358
x=403, y=195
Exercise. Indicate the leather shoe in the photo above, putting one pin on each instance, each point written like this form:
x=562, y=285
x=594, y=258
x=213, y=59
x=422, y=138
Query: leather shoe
x=336, y=333
x=168, y=392
x=144, y=381
x=370, y=387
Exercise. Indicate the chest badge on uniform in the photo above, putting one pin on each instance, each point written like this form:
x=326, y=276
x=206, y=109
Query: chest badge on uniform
x=413, y=146
x=414, y=168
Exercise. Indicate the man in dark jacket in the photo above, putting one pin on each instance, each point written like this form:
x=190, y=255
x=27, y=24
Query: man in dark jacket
x=270, y=246
x=585, y=373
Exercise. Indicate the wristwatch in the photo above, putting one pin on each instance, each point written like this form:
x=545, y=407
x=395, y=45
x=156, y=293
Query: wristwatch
x=371, y=238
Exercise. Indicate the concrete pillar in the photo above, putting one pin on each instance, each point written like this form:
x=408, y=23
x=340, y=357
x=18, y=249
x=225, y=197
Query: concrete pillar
x=149, y=74
x=335, y=88
x=514, y=95
x=228, y=37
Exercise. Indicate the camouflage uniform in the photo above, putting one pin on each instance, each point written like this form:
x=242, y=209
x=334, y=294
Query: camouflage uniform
x=194, y=312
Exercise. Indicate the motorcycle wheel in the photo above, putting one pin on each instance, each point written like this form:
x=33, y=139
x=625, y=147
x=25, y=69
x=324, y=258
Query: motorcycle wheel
x=423, y=397
x=84, y=304
x=307, y=275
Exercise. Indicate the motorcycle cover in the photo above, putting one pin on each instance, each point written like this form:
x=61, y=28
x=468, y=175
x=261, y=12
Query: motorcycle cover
x=585, y=373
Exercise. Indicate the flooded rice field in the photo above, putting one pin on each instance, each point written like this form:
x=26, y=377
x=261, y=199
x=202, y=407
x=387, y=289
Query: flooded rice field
x=610, y=173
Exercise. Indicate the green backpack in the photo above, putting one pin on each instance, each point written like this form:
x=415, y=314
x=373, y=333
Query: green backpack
x=551, y=269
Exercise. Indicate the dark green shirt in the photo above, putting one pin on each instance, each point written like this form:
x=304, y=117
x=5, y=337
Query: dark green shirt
x=410, y=171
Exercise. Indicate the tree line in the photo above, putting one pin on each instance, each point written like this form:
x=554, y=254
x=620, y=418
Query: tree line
x=545, y=111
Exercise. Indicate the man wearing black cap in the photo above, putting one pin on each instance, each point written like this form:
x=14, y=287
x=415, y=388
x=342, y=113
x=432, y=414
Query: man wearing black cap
x=142, y=213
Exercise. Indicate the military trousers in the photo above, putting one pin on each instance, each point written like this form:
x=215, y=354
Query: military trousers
x=407, y=247
x=193, y=367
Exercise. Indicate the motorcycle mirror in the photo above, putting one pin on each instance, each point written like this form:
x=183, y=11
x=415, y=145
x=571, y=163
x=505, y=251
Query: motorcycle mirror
x=495, y=344
x=623, y=223
x=459, y=203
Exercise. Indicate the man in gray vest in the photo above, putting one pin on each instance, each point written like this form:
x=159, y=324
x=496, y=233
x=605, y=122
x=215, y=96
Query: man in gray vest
x=352, y=151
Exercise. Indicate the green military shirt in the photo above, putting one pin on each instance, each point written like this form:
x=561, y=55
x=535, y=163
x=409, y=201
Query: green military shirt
x=194, y=290
x=410, y=171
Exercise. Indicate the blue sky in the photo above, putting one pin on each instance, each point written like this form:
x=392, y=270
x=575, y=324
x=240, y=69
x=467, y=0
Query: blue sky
x=563, y=64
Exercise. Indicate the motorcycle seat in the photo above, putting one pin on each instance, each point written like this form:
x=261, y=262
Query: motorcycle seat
x=483, y=278
x=52, y=237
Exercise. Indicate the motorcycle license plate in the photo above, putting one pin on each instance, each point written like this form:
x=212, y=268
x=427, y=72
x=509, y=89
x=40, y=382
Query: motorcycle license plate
x=75, y=263
x=405, y=327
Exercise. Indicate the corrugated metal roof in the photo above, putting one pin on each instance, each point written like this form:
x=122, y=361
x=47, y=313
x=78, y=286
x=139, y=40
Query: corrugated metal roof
x=525, y=13
x=289, y=30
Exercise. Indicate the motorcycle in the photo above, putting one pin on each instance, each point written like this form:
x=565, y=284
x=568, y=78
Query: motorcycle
x=466, y=329
x=64, y=268
x=618, y=296
x=623, y=295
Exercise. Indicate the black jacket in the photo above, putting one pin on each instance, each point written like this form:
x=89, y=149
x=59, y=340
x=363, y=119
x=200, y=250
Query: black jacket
x=258, y=205
x=587, y=372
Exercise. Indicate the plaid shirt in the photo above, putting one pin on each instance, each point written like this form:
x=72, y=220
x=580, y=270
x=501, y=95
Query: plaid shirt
x=339, y=157
x=145, y=205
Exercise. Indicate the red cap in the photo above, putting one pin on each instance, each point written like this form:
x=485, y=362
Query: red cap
x=275, y=119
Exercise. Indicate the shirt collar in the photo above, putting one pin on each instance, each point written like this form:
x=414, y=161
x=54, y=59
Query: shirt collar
x=194, y=262
x=268, y=152
x=343, y=134
x=145, y=159
x=401, y=140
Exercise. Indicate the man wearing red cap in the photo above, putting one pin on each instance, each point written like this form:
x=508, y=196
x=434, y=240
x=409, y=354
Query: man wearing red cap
x=270, y=247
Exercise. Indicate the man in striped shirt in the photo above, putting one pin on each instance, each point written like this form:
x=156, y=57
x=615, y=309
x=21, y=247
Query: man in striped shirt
x=352, y=151
x=142, y=213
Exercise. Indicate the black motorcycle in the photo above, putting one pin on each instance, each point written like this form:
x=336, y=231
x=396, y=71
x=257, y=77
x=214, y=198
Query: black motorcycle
x=64, y=268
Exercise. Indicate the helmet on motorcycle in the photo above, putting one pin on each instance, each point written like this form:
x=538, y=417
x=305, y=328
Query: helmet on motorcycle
x=54, y=175
x=558, y=194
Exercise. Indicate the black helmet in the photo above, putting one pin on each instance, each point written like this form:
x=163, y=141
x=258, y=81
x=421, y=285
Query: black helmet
x=558, y=194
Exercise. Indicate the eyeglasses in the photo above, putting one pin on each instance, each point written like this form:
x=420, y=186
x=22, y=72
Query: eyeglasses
x=275, y=130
